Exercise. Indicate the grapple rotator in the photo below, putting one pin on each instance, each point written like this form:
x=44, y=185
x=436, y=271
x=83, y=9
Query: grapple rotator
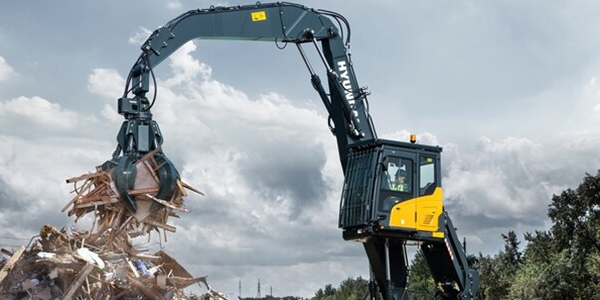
x=138, y=139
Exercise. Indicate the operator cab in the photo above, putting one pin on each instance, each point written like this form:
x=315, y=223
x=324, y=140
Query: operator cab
x=392, y=189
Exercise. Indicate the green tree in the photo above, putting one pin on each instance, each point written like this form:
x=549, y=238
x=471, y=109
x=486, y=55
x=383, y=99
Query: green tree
x=349, y=289
x=540, y=246
x=496, y=274
x=527, y=282
x=488, y=278
x=325, y=293
x=594, y=269
x=352, y=289
x=530, y=281
x=551, y=280
x=576, y=221
x=511, y=256
x=421, y=284
x=576, y=216
x=564, y=263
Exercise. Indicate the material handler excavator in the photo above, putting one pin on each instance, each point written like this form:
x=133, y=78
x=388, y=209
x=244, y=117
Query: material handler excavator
x=392, y=192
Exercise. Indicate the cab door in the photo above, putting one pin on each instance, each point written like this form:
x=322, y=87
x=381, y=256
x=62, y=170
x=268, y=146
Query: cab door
x=398, y=189
x=429, y=198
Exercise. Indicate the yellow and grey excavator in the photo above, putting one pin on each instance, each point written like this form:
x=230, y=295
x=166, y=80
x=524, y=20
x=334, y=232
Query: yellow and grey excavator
x=392, y=193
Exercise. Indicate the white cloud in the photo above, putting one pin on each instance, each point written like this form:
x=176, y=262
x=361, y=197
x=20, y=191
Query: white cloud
x=33, y=173
x=403, y=135
x=110, y=113
x=6, y=71
x=501, y=182
x=497, y=180
x=510, y=145
x=107, y=83
x=507, y=184
x=174, y=5
x=191, y=96
x=592, y=91
x=36, y=111
x=140, y=36
x=186, y=67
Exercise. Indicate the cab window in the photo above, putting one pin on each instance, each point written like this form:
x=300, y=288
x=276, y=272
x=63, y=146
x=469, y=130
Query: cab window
x=398, y=175
x=397, y=182
x=427, y=177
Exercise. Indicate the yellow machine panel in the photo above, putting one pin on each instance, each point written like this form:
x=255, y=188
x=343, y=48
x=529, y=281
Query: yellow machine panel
x=421, y=213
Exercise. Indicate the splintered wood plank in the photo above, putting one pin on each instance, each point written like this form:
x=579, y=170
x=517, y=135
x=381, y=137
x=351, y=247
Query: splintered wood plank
x=181, y=189
x=142, y=191
x=145, y=290
x=181, y=282
x=97, y=203
x=157, y=167
x=10, y=262
x=187, y=186
x=81, y=277
x=119, y=295
x=149, y=155
x=171, y=266
x=147, y=256
x=79, y=195
x=114, y=222
x=93, y=195
x=84, y=177
x=167, y=204
x=133, y=269
x=167, y=227
x=126, y=222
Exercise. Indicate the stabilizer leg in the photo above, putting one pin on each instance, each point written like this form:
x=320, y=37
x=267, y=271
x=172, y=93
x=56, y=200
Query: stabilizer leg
x=389, y=267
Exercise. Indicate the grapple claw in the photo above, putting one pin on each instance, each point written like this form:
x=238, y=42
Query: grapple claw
x=168, y=175
x=124, y=178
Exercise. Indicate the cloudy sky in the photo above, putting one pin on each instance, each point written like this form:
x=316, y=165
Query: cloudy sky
x=509, y=89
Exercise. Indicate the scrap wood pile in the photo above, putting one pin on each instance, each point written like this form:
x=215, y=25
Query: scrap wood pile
x=103, y=262
x=97, y=193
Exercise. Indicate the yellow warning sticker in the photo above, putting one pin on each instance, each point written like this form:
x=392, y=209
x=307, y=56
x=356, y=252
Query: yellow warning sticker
x=437, y=234
x=259, y=16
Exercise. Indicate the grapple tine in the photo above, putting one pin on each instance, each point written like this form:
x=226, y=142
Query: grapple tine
x=124, y=178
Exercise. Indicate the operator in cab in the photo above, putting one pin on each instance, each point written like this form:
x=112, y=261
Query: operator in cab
x=400, y=184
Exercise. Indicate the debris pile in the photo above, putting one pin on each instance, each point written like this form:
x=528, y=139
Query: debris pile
x=103, y=262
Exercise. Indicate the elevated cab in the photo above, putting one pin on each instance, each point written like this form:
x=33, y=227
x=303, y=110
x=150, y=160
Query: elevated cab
x=392, y=189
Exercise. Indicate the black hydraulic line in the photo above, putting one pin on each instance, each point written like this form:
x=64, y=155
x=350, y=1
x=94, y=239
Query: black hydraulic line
x=315, y=80
x=407, y=267
x=318, y=86
x=305, y=59
x=334, y=82
x=338, y=17
x=389, y=284
x=372, y=285
x=155, y=87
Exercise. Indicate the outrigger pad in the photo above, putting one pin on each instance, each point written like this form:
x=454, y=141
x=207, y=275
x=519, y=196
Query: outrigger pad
x=124, y=178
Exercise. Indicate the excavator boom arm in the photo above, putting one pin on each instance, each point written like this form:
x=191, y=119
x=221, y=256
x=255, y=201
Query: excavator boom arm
x=279, y=23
